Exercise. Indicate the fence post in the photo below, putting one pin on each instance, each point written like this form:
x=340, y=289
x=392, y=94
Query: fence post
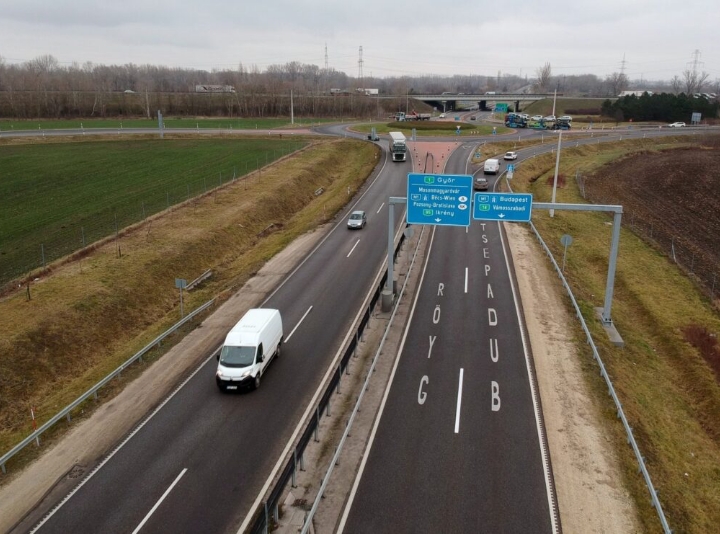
x=317, y=424
x=294, y=471
x=42, y=252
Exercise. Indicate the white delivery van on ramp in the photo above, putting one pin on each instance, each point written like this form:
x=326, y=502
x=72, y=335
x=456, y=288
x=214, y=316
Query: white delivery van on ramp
x=249, y=348
x=492, y=166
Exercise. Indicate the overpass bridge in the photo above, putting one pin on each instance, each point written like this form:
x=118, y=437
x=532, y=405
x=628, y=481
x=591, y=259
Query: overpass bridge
x=448, y=101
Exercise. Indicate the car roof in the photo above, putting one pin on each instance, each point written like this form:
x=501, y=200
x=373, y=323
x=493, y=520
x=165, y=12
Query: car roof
x=358, y=212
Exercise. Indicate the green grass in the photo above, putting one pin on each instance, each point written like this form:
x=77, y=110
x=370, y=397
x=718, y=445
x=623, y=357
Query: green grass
x=545, y=107
x=170, y=122
x=434, y=128
x=88, y=316
x=669, y=393
x=55, y=197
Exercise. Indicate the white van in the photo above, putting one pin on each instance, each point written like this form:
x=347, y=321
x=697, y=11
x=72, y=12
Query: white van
x=249, y=348
x=492, y=166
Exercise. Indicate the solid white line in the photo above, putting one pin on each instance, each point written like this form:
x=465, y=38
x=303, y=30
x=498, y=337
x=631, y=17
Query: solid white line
x=296, y=326
x=381, y=207
x=159, y=502
x=351, y=250
x=321, y=387
x=459, y=402
x=533, y=391
x=371, y=439
x=121, y=445
x=466, y=279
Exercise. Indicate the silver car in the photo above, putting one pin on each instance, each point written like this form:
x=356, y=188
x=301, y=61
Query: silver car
x=357, y=220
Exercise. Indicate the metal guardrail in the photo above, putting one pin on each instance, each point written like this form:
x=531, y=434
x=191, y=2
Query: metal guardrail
x=611, y=390
x=338, y=450
x=262, y=515
x=65, y=412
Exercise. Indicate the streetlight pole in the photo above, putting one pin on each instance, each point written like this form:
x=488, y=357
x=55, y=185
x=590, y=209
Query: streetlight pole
x=554, y=99
x=557, y=166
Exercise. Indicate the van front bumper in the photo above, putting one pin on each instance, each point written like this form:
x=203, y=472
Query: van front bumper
x=234, y=384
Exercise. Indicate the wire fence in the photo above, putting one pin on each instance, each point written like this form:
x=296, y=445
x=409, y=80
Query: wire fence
x=701, y=263
x=61, y=239
x=654, y=498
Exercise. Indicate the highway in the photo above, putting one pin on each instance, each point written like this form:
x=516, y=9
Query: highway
x=212, y=452
x=459, y=446
x=199, y=462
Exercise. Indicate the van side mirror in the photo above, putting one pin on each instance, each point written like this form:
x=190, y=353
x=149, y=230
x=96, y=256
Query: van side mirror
x=217, y=357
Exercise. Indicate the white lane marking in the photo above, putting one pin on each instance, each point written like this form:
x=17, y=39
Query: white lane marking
x=371, y=439
x=381, y=207
x=351, y=250
x=466, y=279
x=122, y=444
x=167, y=491
x=296, y=326
x=459, y=402
x=533, y=390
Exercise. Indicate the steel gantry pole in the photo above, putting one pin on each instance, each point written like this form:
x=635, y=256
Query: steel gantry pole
x=614, y=245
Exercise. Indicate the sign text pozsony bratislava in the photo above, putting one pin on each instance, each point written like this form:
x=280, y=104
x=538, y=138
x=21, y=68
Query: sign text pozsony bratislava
x=516, y=207
x=440, y=199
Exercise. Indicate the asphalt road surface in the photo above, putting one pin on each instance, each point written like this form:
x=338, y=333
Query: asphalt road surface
x=198, y=464
x=459, y=446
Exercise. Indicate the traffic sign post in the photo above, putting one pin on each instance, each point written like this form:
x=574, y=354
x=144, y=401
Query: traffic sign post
x=514, y=207
x=439, y=199
x=510, y=170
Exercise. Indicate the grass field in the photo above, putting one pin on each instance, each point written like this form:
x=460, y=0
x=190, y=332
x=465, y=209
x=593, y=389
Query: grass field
x=89, y=315
x=433, y=128
x=668, y=391
x=169, y=122
x=56, y=197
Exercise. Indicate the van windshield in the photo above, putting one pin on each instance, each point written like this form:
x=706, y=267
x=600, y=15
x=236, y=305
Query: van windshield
x=237, y=356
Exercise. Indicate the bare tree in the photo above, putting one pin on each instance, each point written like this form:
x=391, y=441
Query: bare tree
x=701, y=81
x=617, y=82
x=676, y=84
x=543, y=75
x=694, y=81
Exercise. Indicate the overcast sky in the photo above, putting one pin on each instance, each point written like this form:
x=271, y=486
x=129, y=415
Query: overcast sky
x=399, y=37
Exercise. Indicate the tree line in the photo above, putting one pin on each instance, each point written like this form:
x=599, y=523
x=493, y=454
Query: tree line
x=45, y=88
x=665, y=107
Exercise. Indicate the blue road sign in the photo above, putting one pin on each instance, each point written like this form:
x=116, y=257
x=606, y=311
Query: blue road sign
x=515, y=207
x=511, y=168
x=439, y=199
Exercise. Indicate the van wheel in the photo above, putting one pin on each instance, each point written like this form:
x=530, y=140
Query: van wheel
x=256, y=383
x=279, y=350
